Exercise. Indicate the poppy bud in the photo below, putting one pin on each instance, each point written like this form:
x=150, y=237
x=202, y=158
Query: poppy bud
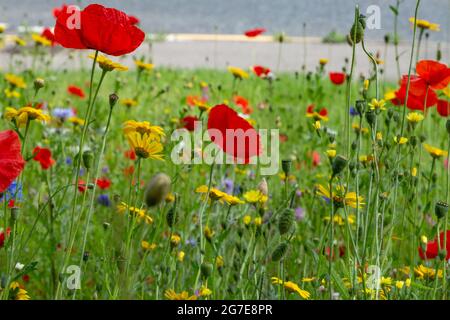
x=390, y=113
x=423, y=138
x=285, y=221
x=371, y=117
x=113, y=98
x=14, y=214
x=354, y=145
x=206, y=269
x=88, y=159
x=339, y=164
x=360, y=106
x=357, y=31
x=440, y=209
x=447, y=126
x=280, y=251
x=413, y=141
x=442, y=254
x=286, y=166
x=157, y=189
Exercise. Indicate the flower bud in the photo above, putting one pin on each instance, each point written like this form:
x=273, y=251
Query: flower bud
x=447, y=126
x=206, y=269
x=339, y=164
x=88, y=159
x=157, y=189
x=286, y=166
x=113, y=98
x=371, y=117
x=357, y=31
x=39, y=83
x=440, y=209
x=360, y=106
x=442, y=254
x=285, y=221
x=280, y=251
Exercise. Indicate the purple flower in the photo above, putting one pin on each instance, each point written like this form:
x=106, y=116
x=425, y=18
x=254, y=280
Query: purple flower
x=63, y=113
x=300, y=214
x=228, y=186
x=353, y=112
x=104, y=200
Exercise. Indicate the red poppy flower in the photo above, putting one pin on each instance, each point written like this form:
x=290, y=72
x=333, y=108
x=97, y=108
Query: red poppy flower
x=435, y=74
x=3, y=236
x=243, y=103
x=49, y=35
x=432, y=249
x=130, y=154
x=443, y=108
x=315, y=158
x=254, y=32
x=26, y=278
x=133, y=20
x=58, y=10
x=76, y=91
x=189, y=122
x=104, y=29
x=11, y=161
x=82, y=185
x=11, y=203
x=233, y=134
x=44, y=157
x=283, y=137
x=260, y=71
x=103, y=183
x=337, y=78
x=128, y=171
x=417, y=94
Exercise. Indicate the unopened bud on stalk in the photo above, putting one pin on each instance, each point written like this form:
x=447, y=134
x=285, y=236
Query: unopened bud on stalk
x=360, y=106
x=39, y=83
x=14, y=214
x=339, y=164
x=357, y=30
x=442, y=254
x=447, y=126
x=206, y=269
x=280, y=251
x=370, y=117
x=286, y=221
x=157, y=189
x=440, y=209
x=172, y=216
x=88, y=159
x=286, y=166
x=113, y=98
x=438, y=53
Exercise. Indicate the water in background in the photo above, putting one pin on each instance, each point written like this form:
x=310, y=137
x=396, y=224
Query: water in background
x=236, y=16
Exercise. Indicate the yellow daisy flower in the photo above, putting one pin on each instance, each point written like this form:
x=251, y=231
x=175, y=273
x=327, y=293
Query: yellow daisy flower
x=435, y=152
x=238, y=72
x=145, y=146
x=107, y=64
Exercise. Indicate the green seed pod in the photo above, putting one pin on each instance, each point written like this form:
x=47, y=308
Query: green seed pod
x=157, y=189
x=339, y=164
x=206, y=269
x=440, y=209
x=280, y=251
x=88, y=159
x=286, y=221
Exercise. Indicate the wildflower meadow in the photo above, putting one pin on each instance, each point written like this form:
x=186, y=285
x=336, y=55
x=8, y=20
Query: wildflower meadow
x=122, y=179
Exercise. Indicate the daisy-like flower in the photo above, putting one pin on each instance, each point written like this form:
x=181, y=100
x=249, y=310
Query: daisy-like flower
x=341, y=197
x=25, y=114
x=291, y=287
x=358, y=129
x=231, y=200
x=435, y=152
x=17, y=292
x=19, y=41
x=400, y=140
x=390, y=95
x=323, y=61
x=143, y=66
x=15, y=81
x=214, y=193
x=321, y=115
x=238, y=73
x=148, y=246
x=140, y=214
x=340, y=221
x=204, y=291
x=414, y=117
x=107, y=64
x=143, y=127
x=424, y=24
x=128, y=102
x=423, y=272
x=11, y=93
x=76, y=121
x=172, y=295
x=40, y=40
x=255, y=196
x=377, y=104
x=145, y=146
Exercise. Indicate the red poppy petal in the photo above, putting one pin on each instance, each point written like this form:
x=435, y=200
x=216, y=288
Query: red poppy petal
x=11, y=161
x=66, y=32
x=443, y=108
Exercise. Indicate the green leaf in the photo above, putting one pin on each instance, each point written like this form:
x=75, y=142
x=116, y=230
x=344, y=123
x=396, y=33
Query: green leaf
x=394, y=10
